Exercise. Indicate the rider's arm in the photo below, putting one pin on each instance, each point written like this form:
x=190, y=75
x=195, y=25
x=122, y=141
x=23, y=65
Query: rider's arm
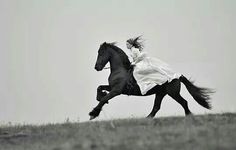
x=137, y=56
x=135, y=53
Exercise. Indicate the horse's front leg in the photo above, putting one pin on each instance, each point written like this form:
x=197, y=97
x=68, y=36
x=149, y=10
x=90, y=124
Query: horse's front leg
x=96, y=111
x=100, y=93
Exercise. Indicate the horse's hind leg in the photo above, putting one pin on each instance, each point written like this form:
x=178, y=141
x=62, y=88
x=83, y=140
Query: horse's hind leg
x=157, y=104
x=183, y=103
x=173, y=89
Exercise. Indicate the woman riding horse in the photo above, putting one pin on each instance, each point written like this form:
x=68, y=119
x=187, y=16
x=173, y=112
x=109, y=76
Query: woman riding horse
x=151, y=76
x=148, y=72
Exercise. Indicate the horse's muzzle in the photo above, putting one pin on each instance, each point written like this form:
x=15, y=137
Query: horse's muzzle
x=98, y=68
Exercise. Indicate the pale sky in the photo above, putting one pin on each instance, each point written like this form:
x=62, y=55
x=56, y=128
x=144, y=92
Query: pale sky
x=48, y=50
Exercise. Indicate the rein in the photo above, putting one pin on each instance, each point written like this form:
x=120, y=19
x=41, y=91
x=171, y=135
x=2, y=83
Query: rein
x=106, y=67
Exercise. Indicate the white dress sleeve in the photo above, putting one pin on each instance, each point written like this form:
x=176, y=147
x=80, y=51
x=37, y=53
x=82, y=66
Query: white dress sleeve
x=137, y=55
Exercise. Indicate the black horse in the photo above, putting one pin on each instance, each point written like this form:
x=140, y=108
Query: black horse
x=121, y=81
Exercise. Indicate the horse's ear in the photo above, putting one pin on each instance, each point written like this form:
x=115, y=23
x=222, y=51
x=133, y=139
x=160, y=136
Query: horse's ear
x=104, y=44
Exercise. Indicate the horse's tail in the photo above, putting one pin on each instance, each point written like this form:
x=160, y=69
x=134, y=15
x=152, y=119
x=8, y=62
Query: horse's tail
x=201, y=95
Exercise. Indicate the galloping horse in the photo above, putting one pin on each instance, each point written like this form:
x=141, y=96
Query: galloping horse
x=121, y=81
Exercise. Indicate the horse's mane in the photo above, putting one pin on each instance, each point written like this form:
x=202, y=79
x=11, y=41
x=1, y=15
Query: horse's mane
x=122, y=54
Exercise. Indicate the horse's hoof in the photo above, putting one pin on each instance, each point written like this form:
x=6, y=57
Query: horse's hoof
x=94, y=113
x=189, y=114
x=91, y=117
x=150, y=117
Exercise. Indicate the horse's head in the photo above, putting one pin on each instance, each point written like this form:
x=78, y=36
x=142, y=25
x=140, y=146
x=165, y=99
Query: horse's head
x=103, y=57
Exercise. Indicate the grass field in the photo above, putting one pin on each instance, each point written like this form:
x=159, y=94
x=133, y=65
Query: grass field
x=203, y=132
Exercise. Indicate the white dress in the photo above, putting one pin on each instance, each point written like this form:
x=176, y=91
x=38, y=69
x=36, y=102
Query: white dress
x=149, y=72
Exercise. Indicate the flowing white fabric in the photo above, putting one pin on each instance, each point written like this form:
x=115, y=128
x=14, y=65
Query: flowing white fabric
x=149, y=72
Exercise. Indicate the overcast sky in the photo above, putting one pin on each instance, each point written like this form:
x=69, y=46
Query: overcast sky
x=48, y=50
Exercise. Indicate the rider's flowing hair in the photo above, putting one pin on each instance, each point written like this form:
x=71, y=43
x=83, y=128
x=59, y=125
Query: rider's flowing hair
x=136, y=42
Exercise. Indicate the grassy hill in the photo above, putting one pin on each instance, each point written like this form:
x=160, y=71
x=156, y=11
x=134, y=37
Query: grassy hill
x=203, y=132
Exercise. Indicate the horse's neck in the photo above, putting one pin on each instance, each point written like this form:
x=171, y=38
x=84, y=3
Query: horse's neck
x=116, y=63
